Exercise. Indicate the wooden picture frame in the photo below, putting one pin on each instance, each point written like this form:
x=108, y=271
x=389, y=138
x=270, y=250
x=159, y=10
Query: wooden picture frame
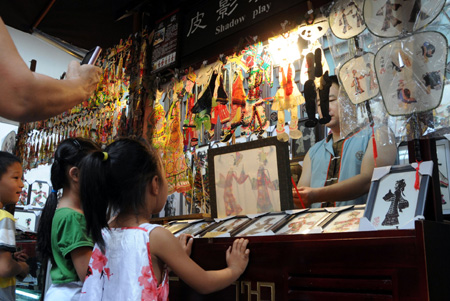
x=299, y=147
x=346, y=221
x=227, y=227
x=262, y=224
x=177, y=226
x=196, y=227
x=249, y=178
x=393, y=201
x=303, y=222
x=26, y=219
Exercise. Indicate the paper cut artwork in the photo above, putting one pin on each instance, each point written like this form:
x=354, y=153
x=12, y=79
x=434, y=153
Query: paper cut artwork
x=346, y=18
x=390, y=18
x=410, y=73
x=303, y=222
x=345, y=222
x=230, y=225
x=263, y=224
x=396, y=200
x=359, y=79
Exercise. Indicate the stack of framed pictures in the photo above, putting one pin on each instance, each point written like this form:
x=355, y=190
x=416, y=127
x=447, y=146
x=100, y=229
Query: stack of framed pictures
x=304, y=221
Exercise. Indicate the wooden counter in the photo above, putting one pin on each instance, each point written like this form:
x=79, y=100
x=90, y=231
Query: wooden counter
x=378, y=265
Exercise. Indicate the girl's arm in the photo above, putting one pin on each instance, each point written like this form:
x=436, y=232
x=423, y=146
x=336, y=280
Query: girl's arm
x=80, y=258
x=168, y=249
x=11, y=268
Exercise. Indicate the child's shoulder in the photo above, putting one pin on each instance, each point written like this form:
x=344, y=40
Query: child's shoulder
x=6, y=214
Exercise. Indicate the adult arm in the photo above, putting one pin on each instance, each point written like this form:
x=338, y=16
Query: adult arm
x=28, y=96
x=350, y=188
x=80, y=258
x=168, y=249
x=11, y=268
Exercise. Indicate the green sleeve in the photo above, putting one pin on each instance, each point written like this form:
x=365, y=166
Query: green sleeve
x=72, y=234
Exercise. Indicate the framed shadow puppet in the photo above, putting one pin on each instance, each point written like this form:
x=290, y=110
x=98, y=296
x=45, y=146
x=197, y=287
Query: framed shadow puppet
x=249, y=178
x=393, y=200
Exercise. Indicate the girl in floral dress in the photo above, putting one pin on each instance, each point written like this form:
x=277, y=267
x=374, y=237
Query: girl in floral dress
x=131, y=256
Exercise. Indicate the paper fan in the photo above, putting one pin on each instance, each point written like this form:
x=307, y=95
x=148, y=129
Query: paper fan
x=390, y=18
x=358, y=78
x=410, y=73
x=346, y=18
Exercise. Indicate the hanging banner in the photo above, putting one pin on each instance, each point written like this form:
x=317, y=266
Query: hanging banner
x=165, y=43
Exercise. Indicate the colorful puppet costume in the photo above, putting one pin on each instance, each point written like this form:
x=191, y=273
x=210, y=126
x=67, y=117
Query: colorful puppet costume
x=173, y=152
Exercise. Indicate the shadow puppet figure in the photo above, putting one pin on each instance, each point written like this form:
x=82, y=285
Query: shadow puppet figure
x=398, y=203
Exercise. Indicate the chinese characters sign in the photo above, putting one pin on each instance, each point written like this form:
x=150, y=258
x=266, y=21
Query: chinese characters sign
x=214, y=20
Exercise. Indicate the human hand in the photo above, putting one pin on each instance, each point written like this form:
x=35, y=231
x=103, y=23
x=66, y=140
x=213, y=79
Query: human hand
x=237, y=256
x=20, y=256
x=186, y=244
x=88, y=75
x=25, y=270
x=308, y=196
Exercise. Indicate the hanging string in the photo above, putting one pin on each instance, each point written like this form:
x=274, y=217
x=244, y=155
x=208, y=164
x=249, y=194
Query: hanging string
x=417, y=182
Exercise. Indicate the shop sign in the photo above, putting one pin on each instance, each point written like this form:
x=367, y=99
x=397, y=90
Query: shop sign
x=211, y=21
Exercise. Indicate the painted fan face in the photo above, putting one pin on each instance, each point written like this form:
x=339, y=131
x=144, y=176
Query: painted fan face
x=346, y=18
x=314, y=31
x=410, y=72
x=389, y=18
x=358, y=78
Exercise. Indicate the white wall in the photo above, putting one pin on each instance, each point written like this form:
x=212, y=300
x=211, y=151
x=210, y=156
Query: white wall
x=51, y=61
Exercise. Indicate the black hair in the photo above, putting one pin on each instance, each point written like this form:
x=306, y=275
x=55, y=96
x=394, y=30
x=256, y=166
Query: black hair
x=334, y=80
x=116, y=180
x=68, y=154
x=6, y=160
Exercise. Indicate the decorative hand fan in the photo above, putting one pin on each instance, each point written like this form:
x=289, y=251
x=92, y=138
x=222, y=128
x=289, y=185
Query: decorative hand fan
x=346, y=18
x=390, y=18
x=410, y=72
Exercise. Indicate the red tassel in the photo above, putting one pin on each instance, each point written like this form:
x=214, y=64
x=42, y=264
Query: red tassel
x=417, y=182
x=374, y=146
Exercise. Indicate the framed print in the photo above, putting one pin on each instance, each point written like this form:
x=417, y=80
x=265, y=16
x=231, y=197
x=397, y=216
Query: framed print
x=390, y=18
x=39, y=191
x=262, y=224
x=196, y=228
x=346, y=221
x=302, y=222
x=393, y=201
x=228, y=226
x=24, y=195
x=249, y=178
x=358, y=77
x=177, y=226
x=27, y=220
x=299, y=147
x=346, y=18
x=410, y=72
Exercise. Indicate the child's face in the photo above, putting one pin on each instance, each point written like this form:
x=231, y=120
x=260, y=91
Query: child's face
x=11, y=184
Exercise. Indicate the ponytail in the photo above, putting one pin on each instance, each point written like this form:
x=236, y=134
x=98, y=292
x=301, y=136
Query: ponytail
x=69, y=153
x=94, y=193
x=115, y=180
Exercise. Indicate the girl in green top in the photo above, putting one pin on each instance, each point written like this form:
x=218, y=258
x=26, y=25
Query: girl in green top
x=62, y=236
